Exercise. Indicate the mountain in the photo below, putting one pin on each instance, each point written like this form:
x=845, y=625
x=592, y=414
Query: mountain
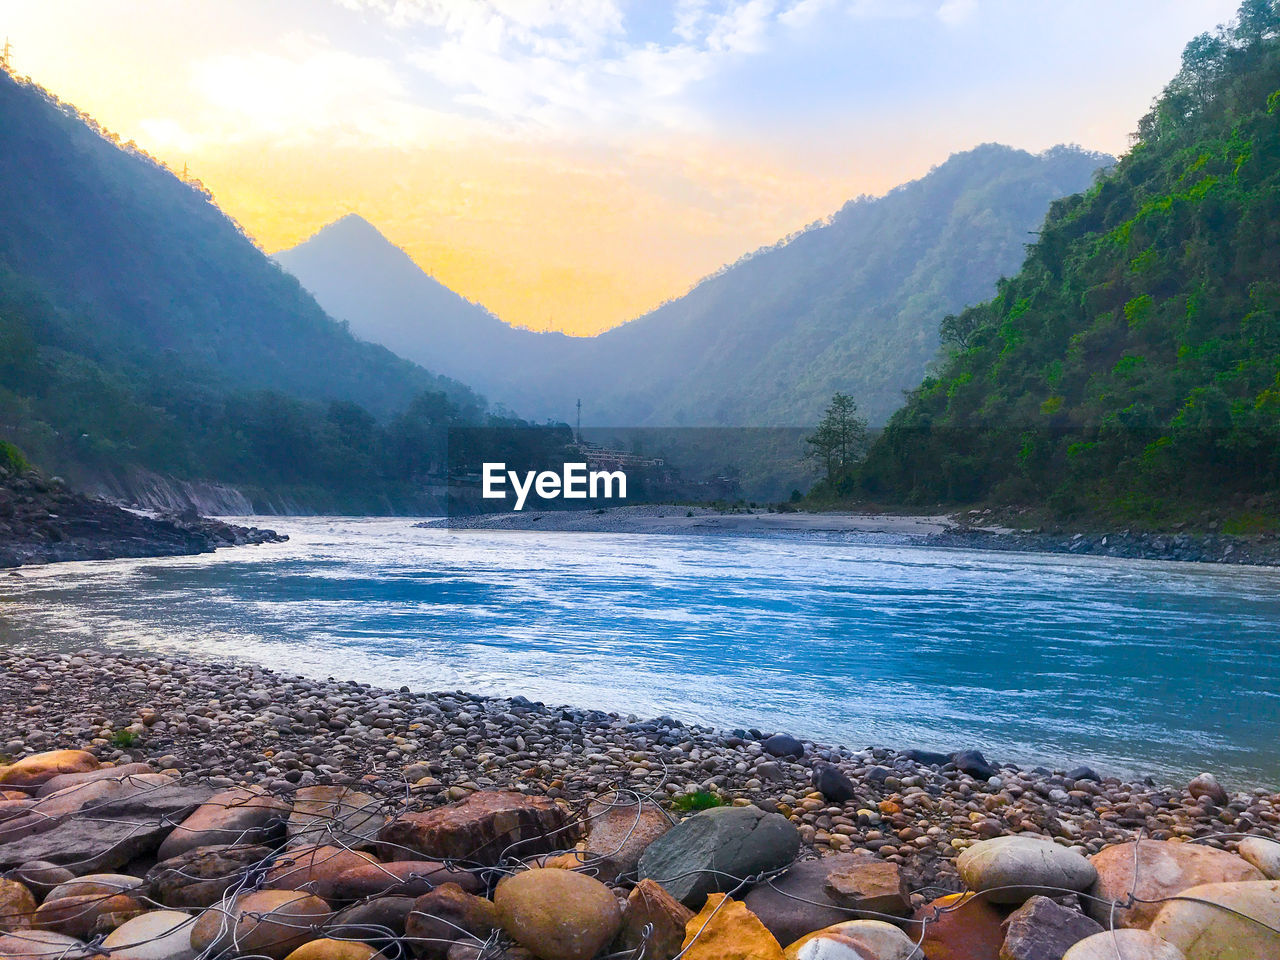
x=1131, y=369
x=851, y=304
x=141, y=330
x=362, y=278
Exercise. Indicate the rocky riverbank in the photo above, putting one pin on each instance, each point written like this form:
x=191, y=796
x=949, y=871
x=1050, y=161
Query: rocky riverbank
x=352, y=810
x=971, y=531
x=43, y=521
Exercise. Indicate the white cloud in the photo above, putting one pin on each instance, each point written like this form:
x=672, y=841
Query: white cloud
x=304, y=91
x=957, y=11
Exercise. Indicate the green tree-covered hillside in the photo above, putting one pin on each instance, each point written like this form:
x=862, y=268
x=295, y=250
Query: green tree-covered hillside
x=1132, y=367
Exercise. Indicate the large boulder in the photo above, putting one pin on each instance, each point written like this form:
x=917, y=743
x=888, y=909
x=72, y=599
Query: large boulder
x=1017, y=867
x=314, y=869
x=1129, y=944
x=269, y=923
x=201, y=877
x=864, y=939
x=401, y=878
x=957, y=926
x=797, y=902
x=619, y=830
x=325, y=814
x=156, y=935
x=32, y=771
x=482, y=829
x=446, y=914
x=716, y=849
x=1224, y=921
x=17, y=906
x=240, y=815
x=1262, y=853
x=783, y=745
x=130, y=818
x=726, y=930
x=1044, y=930
x=1154, y=870
x=654, y=920
x=558, y=914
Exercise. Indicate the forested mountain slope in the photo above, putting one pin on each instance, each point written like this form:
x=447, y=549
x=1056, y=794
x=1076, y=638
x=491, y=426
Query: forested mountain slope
x=1132, y=367
x=140, y=329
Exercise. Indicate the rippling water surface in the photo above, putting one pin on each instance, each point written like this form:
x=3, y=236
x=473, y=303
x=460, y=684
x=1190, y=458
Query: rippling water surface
x=1131, y=666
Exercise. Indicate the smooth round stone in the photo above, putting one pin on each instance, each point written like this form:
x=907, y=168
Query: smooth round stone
x=326, y=949
x=558, y=914
x=1224, y=921
x=1017, y=868
x=40, y=876
x=1164, y=869
x=43, y=944
x=1124, y=945
x=95, y=884
x=272, y=923
x=871, y=938
x=158, y=935
x=1263, y=853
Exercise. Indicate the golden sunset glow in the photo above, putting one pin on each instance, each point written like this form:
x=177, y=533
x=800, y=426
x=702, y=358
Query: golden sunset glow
x=571, y=165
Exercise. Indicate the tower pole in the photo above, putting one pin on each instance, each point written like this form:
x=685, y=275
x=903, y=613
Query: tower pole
x=579, y=419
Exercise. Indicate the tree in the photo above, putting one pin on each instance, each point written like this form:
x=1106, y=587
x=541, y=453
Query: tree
x=958, y=331
x=840, y=439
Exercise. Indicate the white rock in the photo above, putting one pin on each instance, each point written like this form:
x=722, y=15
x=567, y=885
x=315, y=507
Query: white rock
x=1016, y=868
x=158, y=935
x=1124, y=945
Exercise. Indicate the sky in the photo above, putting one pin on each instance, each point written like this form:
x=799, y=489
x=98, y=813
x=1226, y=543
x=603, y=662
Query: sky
x=570, y=164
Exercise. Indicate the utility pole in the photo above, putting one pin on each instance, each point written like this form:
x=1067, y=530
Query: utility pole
x=579, y=419
x=8, y=52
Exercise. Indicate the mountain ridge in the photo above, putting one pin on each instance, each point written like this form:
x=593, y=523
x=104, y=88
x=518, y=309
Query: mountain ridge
x=799, y=304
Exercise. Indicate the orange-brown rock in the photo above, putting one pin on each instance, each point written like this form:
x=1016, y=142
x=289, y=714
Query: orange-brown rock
x=86, y=916
x=326, y=949
x=36, y=769
x=650, y=907
x=239, y=815
x=958, y=927
x=324, y=814
x=314, y=869
x=17, y=906
x=270, y=923
x=619, y=829
x=558, y=914
x=481, y=829
x=726, y=930
x=874, y=886
x=1164, y=868
x=446, y=914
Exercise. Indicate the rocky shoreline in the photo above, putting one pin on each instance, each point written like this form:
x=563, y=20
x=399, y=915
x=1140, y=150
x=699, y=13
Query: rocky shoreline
x=977, y=530
x=43, y=521
x=832, y=832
